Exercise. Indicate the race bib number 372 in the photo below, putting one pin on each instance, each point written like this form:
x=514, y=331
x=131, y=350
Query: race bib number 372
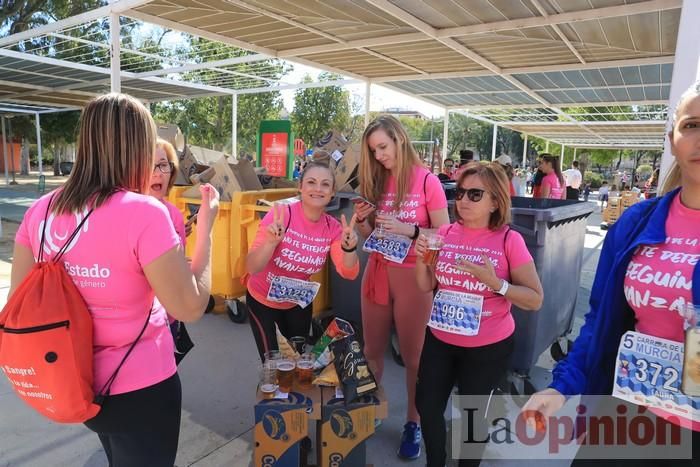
x=648, y=372
x=285, y=289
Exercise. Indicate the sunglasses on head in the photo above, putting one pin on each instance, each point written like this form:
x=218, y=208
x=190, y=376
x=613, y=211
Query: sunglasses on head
x=474, y=194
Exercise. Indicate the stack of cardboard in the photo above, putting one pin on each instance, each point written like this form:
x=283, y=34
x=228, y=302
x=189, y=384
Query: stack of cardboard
x=202, y=165
x=344, y=159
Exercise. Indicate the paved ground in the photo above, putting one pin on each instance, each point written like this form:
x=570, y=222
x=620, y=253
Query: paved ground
x=218, y=379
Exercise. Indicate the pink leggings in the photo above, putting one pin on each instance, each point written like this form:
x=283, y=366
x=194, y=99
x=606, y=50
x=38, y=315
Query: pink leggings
x=409, y=310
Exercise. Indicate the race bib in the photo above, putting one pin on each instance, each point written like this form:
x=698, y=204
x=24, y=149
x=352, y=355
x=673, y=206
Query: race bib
x=393, y=247
x=285, y=289
x=456, y=312
x=648, y=372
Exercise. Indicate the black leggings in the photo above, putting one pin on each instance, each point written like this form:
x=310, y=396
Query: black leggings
x=476, y=370
x=292, y=322
x=141, y=428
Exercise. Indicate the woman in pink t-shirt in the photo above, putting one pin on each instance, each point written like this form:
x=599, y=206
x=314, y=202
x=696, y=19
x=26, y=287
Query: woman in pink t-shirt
x=553, y=185
x=292, y=243
x=408, y=198
x=483, y=267
x=126, y=254
x=647, y=292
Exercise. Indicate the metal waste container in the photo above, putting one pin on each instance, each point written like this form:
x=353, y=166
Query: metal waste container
x=554, y=232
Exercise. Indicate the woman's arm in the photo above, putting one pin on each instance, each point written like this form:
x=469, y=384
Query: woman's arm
x=22, y=263
x=266, y=240
x=425, y=276
x=525, y=292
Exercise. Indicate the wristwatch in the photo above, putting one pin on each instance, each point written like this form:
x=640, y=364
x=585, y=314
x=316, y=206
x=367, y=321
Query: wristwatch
x=504, y=288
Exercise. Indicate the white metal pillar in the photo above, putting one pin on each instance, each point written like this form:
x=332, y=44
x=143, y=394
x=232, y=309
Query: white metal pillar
x=524, y=152
x=4, y=151
x=115, y=52
x=38, y=144
x=575, y=153
x=445, y=133
x=686, y=68
x=368, y=85
x=561, y=158
x=234, y=126
x=493, y=142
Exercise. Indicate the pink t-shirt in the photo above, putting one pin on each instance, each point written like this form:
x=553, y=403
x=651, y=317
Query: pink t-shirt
x=552, y=181
x=424, y=195
x=178, y=222
x=507, y=251
x=301, y=253
x=106, y=262
x=659, y=278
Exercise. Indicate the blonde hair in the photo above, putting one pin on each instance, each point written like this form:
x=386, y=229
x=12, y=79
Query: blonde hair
x=674, y=176
x=115, y=150
x=171, y=155
x=373, y=175
x=496, y=182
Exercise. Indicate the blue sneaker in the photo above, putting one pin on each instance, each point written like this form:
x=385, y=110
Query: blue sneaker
x=410, y=442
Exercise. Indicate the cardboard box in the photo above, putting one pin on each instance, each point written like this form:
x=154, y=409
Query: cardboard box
x=332, y=141
x=171, y=134
x=346, y=169
x=194, y=160
x=344, y=428
x=245, y=173
x=281, y=424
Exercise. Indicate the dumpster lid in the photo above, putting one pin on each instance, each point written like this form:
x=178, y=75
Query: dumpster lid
x=551, y=210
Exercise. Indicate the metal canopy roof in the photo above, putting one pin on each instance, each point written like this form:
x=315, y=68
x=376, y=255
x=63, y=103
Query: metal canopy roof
x=547, y=55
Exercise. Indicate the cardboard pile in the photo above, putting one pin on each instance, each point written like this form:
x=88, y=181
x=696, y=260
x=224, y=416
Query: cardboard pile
x=344, y=159
x=202, y=165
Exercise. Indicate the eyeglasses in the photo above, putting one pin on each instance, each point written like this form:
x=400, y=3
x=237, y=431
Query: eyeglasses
x=474, y=194
x=164, y=167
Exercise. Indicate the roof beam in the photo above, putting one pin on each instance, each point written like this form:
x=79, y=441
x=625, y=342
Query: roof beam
x=558, y=30
x=506, y=91
x=497, y=26
x=205, y=65
x=321, y=84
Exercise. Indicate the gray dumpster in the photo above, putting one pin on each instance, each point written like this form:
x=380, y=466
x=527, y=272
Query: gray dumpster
x=554, y=232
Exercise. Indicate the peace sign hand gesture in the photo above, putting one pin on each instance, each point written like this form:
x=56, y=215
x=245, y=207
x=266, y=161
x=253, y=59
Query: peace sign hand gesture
x=275, y=231
x=349, y=237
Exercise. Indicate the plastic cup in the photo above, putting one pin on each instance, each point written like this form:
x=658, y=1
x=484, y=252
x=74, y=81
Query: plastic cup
x=268, y=379
x=305, y=370
x=432, y=251
x=285, y=374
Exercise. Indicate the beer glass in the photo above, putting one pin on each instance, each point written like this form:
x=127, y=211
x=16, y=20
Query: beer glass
x=305, y=370
x=268, y=379
x=285, y=374
x=432, y=250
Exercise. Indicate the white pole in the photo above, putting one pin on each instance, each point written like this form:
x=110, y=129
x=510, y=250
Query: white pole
x=115, y=61
x=445, y=134
x=4, y=151
x=368, y=85
x=525, y=152
x=234, y=126
x=493, y=143
x=38, y=144
x=561, y=158
x=686, y=69
x=575, y=153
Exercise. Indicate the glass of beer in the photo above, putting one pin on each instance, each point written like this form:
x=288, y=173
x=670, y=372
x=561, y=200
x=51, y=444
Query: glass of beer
x=285, y=374
x=432, y=250
x=268, y=379
x=305, y=370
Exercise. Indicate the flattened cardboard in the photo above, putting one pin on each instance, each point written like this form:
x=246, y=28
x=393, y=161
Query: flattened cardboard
x=332, y=141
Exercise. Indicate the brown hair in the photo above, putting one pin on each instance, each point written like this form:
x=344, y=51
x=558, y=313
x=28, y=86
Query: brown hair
x=674, y=177
x=373, y=175
x=171, y=155
x=496, y=182
x=316, y=164
x=115, y=150
x=554, y=161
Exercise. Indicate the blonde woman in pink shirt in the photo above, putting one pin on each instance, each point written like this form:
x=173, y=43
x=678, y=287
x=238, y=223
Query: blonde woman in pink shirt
x=408, y=199
x=482, y=268
x=553, y=185
x=293, y=242
x=126, y=254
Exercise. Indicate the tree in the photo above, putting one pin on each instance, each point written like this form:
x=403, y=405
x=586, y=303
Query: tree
x=317, y=110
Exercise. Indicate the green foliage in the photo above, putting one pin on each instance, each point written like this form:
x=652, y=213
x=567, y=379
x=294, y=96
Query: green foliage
x=644, y=170
x=595, y=179
x=317, y=110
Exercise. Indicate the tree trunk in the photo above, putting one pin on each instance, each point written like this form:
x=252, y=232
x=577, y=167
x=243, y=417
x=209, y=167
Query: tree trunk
x=619, y=160
x=56, y=159
x=24, y=158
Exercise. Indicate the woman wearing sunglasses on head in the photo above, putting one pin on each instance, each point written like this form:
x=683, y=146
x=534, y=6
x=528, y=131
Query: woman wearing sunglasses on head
x=482, y=268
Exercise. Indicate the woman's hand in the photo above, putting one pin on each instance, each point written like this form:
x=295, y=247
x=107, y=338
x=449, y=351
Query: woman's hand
x=421, y=246
x=392, y=225
x=485, y=274
x=349, y=237
x=363, y=210
x=275, y=231
x=541, y=406
x=209, y=207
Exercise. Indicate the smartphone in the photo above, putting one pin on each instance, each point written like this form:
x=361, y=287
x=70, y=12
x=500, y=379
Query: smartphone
x=691, y=363
x=361, y=200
